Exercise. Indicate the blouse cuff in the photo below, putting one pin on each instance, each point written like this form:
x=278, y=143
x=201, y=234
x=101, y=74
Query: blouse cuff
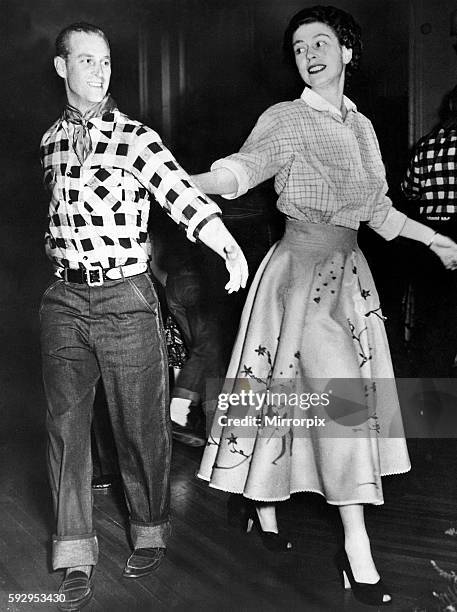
x=240, y=174
x=392, y=225
x=418, y=231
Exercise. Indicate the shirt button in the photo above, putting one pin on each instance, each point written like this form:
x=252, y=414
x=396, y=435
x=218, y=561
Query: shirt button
x=69, y=173
x=76, y=230
x=85, y=257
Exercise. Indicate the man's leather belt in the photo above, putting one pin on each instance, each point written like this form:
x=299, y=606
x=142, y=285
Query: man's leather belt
x=94, y=277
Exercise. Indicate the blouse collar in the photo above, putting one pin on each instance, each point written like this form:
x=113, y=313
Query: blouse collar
x=317, y=102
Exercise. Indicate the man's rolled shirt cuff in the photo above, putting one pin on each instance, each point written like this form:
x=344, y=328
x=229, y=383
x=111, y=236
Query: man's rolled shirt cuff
x=392, y=225
x=200, y=218
x=238, y=171
x=146, y=535
x=71, y=551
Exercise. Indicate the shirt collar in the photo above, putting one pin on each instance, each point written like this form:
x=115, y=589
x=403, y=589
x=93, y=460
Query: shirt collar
x=317, y=102
x=104, y=124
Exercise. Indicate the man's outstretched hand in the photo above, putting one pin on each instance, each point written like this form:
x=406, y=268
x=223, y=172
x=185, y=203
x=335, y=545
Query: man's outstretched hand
x=217, y=237
x=237, y=267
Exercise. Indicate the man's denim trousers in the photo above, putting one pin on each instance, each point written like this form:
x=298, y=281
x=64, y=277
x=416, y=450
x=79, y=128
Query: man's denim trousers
x=115, y=332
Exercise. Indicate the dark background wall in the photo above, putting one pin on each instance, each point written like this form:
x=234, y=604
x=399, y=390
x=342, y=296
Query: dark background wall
x=198, y=71
x=433, y=61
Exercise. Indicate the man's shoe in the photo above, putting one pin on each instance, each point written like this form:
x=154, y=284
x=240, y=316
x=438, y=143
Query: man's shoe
x=77, y=589
x=143, y=561
x=186, y=435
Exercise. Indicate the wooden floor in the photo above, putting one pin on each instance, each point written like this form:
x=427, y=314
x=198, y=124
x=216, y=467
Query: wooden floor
x=210, y=566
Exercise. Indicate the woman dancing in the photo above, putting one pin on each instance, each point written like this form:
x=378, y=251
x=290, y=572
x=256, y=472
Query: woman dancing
x=312, y=314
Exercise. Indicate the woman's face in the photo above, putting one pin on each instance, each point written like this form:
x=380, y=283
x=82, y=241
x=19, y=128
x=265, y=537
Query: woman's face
x=320, y=58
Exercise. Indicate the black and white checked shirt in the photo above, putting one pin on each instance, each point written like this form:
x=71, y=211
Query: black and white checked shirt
x=99, y=210
x=431, y=177
x=327, y=169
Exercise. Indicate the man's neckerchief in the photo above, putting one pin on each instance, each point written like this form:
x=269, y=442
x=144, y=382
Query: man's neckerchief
x=82, y=142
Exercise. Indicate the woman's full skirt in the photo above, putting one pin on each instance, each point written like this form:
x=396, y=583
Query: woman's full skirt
x=309, y=403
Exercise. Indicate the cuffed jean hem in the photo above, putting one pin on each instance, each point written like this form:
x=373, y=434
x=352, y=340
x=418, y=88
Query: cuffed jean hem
x=187, y=394
x=145, y=535
x=69, y=551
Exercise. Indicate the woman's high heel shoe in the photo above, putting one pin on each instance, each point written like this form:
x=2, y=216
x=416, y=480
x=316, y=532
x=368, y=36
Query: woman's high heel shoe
x=274, y=542
x=241, y=513
x=371, y=594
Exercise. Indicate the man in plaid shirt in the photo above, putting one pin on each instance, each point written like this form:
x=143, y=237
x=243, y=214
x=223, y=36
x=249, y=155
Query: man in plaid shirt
x=100, y=315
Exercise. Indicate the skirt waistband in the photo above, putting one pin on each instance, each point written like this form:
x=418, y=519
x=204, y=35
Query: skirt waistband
x=302, y=232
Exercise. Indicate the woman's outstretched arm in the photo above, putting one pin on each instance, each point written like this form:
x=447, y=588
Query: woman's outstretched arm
x=220, y=181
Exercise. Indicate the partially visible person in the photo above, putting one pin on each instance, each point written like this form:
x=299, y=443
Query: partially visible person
x=99, y=315
x=431, y=185
x=207, y=318
x=312, y=315
x=188, y=300
x=191, y=327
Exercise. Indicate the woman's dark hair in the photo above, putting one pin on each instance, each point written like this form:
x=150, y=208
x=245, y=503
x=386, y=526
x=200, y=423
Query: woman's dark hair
x=347, y=30
x=63, y=37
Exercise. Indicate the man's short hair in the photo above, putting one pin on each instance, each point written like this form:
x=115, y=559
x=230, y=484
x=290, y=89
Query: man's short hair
x=62, y=49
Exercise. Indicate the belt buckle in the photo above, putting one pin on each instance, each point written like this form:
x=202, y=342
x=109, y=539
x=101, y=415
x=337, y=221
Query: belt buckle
x=94, y=277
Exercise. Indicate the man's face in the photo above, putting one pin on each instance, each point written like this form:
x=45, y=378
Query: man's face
x=86, y=71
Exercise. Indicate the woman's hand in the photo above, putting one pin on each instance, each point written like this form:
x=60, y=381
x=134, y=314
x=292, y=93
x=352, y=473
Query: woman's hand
x=446, y=249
